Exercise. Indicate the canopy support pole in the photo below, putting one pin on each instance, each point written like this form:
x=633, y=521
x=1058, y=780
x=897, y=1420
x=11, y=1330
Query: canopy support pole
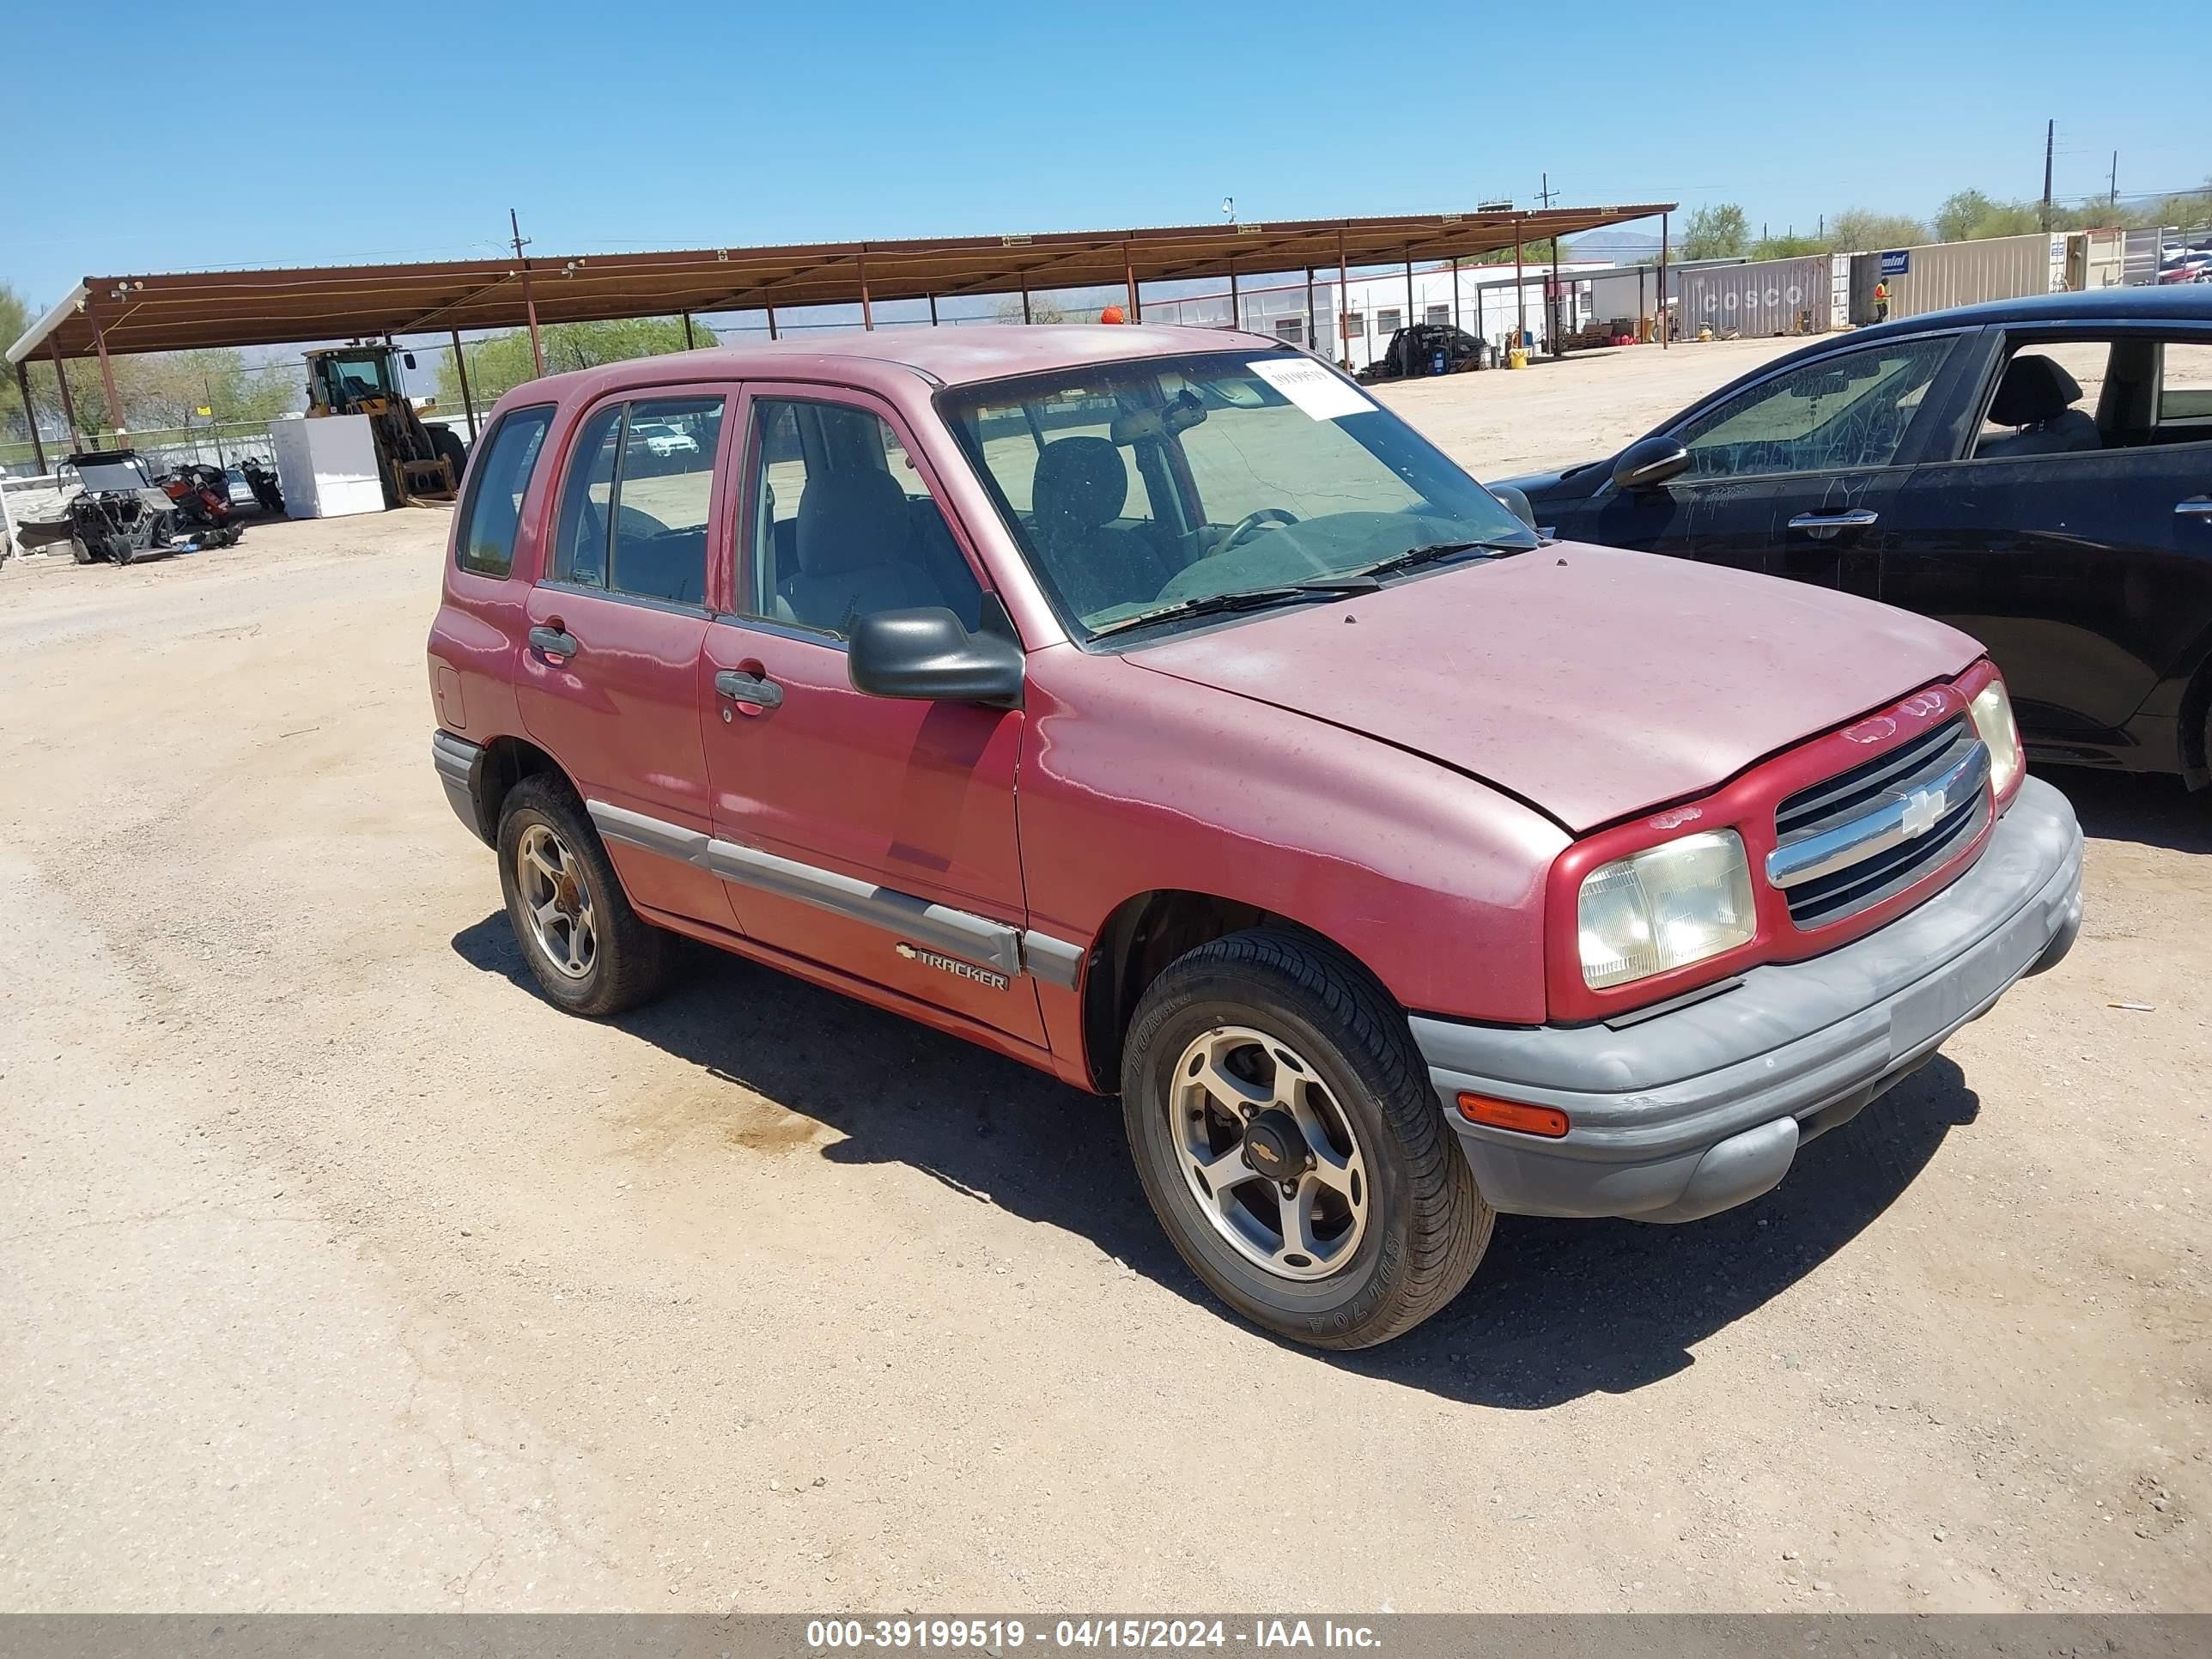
x=1664, y=331
x=933, y=311
x=30, y=414
x=1520, y=292
x=689, y=343
x=1236, y=302
x=61, y=374
x=468, y=404
x=867, y=307
x=1343, y=305
x=1129, y=275
x=107, y=376
x=771, y=322
x=1309, y=310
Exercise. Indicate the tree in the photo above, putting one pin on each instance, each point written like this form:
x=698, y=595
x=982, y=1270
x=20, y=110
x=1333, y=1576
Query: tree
x=1969, y=216
x=1041, y=310
x=1787, y=245
x=1716, y=233
x=502, y=360
x=15, y=318
x=1862, y=230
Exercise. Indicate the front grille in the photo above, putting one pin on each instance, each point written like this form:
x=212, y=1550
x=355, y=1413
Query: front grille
x=1849, y=842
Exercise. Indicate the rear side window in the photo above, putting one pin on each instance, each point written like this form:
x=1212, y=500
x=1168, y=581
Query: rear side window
x=2185, y=385
x=484, y=540
x=635, y=505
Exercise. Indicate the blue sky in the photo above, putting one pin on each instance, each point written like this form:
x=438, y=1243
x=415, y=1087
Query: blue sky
x=267, y=135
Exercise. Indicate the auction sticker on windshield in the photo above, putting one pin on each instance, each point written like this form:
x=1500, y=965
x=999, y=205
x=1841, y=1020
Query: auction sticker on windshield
x=1312, y=388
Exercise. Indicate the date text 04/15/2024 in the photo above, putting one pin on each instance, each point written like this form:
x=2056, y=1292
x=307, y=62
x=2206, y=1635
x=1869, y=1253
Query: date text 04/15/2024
x=1080, y=1635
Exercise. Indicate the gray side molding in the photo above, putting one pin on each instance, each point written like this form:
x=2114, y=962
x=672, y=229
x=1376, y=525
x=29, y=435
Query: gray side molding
x=957, y=933
x=653, y=835
x=1055, y=961
x=942, y=928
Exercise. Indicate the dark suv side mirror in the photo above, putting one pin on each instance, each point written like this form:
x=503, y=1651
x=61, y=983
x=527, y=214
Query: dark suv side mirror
x=927, y=653
x=1650, y=462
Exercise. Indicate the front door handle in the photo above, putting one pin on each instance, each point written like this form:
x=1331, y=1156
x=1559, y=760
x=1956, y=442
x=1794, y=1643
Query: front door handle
x=1858, y=519
x=757, y=690
x=2197, y=507
x=553, y=642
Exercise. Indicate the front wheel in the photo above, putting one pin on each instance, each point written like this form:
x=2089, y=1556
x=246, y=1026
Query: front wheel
x=1286, y=1135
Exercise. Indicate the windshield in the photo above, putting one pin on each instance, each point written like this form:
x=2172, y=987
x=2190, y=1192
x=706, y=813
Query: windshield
x=1168, y=481
x=110, y=477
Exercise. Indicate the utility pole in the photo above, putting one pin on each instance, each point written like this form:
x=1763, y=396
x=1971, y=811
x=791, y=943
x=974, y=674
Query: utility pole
x=2116, y=181
x=1545, y=194
x=529, y=305
x=2050, y=137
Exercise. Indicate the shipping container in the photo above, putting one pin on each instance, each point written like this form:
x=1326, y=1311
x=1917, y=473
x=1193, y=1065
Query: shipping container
x=1942, y=275
x=2095, y=259
x=1770, y=297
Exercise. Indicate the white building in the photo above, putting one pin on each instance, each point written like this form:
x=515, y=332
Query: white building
x=1486, y=305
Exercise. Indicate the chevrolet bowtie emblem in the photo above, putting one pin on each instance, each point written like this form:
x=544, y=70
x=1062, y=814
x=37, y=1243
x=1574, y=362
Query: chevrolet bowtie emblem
x=1922, y=809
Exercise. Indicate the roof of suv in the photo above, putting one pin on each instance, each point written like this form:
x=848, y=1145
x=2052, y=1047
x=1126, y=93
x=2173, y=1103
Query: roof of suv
x=950, y=356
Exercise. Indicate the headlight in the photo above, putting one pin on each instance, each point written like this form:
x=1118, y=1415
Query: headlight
x=1992, y=715
x=1664, y=907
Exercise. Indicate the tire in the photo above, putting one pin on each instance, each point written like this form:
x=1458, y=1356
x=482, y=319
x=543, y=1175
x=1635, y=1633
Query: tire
x=78, y=550
x=1425, y=1225
x=627, y=963
x=120, y=551
x=449, y=448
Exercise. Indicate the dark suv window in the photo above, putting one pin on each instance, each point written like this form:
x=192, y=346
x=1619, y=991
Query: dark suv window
x=639, y=491
x=484, y=539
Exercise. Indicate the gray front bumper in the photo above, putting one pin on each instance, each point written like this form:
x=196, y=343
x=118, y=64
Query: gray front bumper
x=1683, y=1113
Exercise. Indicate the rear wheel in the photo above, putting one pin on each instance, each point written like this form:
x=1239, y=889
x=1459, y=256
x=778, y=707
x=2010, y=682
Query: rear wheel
x=79, y=551
x=589, y=951
x=447, y=446
x=1286, y=1135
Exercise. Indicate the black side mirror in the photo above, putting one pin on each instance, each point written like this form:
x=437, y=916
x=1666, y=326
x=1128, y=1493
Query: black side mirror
x=1650, y=462
x=927, y=653
x=407, y=358
x=1515, y=498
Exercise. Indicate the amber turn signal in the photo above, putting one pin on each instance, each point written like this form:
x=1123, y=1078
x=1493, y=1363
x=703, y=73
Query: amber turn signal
x=1546, y=1121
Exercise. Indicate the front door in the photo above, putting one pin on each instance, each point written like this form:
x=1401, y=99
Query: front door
x=873, y=834
x=609, y=680
x=2067, y=544
x=1794, y=474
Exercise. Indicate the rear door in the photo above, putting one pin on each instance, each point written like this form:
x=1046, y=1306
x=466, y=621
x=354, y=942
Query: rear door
x=1795, y=474
x=610, y=670
x=873, y=834
x=2087, y=571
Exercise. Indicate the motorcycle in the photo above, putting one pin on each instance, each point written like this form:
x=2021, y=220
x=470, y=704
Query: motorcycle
x=201, y=497
x=262, y=476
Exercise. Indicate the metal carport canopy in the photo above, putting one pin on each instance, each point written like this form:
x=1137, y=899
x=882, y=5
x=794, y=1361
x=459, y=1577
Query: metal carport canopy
x=190, y=310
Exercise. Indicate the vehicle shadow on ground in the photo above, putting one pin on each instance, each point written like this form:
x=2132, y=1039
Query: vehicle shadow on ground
x=1557, y=1309
x=2156, y=812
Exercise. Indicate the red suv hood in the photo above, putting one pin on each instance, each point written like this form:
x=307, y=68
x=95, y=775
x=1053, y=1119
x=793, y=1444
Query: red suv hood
x=1590, y=681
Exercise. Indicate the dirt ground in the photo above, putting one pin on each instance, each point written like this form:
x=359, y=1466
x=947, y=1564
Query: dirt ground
x=338, y=1271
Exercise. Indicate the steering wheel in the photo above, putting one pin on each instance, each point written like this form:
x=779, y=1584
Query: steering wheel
x=1250, y=524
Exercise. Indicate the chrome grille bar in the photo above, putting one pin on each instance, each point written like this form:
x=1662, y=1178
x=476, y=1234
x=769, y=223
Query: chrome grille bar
x=1899, y=815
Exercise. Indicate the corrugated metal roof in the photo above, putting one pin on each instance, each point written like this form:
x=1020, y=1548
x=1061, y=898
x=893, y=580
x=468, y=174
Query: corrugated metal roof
x=182, y=311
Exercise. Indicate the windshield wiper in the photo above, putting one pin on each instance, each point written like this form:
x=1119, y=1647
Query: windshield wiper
x=1248, y=598
x=1429, y=552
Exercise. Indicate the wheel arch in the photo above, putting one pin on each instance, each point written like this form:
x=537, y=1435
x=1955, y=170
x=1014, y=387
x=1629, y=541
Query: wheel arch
x=505, y=763
x=1145, y=933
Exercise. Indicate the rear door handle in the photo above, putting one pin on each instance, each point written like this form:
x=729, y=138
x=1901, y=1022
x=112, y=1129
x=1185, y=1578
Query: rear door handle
x=553, y=642
x=1858, y=519
x=755, y=689
x=2197, y=507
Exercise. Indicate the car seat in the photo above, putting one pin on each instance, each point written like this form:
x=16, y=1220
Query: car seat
x=1078, y=490
x=2036, y=396
x=855, y=546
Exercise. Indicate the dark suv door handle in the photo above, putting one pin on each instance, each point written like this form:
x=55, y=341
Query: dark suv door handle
x=2197, y=507
x=1858, y=519
x=755, y=689
x=553, y=642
